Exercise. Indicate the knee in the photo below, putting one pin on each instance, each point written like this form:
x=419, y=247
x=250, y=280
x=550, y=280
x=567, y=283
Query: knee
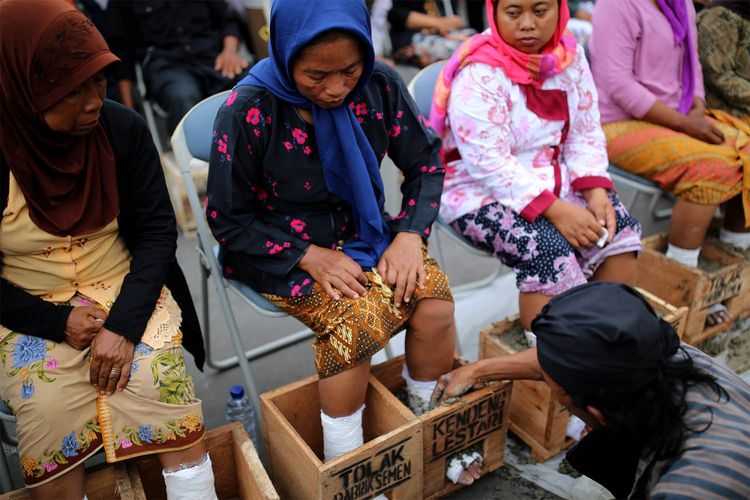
x=433, y=318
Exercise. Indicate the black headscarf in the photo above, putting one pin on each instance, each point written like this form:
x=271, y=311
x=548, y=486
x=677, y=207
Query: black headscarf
x=602, y=339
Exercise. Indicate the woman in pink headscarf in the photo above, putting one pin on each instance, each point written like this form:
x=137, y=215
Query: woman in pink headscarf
x=525, y=156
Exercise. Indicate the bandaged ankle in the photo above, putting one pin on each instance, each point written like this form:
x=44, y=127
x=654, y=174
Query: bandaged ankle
x=686, y=256
x=418, y=392
x=460, y=463
x=341, y=434
x=739, y=240
x=575, y=427
x=192, y=482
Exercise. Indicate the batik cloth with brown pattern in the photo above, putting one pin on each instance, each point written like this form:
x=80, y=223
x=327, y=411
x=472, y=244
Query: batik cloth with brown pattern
x=349, y=331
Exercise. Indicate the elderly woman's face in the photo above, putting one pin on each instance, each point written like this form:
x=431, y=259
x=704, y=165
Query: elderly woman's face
x=527, y=25
x=78, y=112
x=325, y=73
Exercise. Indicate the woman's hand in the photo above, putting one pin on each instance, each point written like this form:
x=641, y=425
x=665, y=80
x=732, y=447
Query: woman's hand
x=446, y=24
x=334, y=271
x=111, y=358
x=577, y=224
x=455, y=383
x=598, y=202
x=84, y=322
x=695, y=124
x=402, y=265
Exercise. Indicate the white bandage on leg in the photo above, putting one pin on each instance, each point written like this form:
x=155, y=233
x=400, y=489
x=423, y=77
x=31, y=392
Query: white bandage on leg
x=686, y=256
x=530, y=338
x=739, y=240
x=341, y=434
x=192, y=482
x=419, y=393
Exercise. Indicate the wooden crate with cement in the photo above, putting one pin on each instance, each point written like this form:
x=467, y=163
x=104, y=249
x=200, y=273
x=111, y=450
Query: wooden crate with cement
x=695, y=288
x=478, y=420
x=389, y=462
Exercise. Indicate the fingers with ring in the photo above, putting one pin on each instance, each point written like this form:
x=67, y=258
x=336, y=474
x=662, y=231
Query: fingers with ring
x=115, y=372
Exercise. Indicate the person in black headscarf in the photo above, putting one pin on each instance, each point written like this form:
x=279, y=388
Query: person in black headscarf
x=664, y=418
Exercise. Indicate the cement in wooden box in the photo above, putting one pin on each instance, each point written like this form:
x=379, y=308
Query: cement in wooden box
x=177, y=193
x=104, y=482
x=238, y=472
x=535, y=416
x=478, y=421
x=727, y=282
x=389, y=462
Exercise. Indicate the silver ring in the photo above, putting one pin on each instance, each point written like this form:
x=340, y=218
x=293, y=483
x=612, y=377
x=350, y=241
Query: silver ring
x=115, y=372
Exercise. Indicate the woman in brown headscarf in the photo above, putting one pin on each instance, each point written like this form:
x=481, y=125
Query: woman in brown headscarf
x=94, y=308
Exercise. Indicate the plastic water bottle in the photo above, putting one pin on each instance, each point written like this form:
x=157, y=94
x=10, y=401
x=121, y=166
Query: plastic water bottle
x=239, y=409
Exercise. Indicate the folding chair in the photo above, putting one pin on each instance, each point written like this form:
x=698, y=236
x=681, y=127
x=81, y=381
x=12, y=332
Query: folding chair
x=191, y=143
x=148, y=109
x=421, y=87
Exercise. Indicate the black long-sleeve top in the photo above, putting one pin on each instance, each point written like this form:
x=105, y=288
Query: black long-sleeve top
x=267, y=198
x=191, y=31
x=147, y=224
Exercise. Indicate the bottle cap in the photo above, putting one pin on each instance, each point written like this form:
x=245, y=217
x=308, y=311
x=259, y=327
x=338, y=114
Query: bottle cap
x=237, y=392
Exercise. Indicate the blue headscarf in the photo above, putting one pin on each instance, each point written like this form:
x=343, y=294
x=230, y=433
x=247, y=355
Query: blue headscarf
x=350, y=168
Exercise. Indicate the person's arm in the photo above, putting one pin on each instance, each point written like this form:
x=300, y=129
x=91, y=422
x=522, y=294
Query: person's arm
x=235, y=190
x=25, y=313
x=152, y=221
x=520, y=366
x=718, y=50
x=479, y=112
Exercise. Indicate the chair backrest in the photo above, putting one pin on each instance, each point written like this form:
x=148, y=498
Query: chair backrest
x=198, y=125
x=422, y=86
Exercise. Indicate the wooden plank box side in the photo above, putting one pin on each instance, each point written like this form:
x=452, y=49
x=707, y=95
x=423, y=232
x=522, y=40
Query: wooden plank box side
x=535, y=416
x=480, y=417
x=674, y=315
x=238, y=472
x=104, y=482
x=697, y=289
x=389, y=462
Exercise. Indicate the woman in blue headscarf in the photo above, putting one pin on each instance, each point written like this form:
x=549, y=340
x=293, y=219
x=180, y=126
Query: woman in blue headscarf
x=295, y=198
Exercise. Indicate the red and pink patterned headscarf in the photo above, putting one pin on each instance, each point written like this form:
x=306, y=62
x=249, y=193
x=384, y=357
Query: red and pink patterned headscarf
x=524, y=69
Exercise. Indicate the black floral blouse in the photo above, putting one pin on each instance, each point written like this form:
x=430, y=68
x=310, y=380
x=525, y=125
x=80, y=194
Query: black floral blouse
x=267, y=199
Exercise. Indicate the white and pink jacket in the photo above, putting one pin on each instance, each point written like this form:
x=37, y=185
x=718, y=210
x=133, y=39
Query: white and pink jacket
x=496, y=150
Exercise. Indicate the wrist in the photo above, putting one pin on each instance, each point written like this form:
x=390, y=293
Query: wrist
x=231, y=44
x=553, y=210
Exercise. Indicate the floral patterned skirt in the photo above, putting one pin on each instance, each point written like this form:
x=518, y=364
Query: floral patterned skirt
x=62, y=421
x=350, y=331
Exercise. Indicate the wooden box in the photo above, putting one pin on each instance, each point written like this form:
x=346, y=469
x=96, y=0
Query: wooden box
x=697, y=289
x=103, y=482
x=177, y=193
x=535, y=416
x=675, y=316
x=389, y=462
x=238, y=472
x=480, y=419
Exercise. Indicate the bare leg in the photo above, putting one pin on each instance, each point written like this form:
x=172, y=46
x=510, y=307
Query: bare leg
x=621, y=268
x=173, y=459
x=530, y=304
x=689, y=223
x=68, y=486
x=344, y=393
x=431, y=339
x=734, y=219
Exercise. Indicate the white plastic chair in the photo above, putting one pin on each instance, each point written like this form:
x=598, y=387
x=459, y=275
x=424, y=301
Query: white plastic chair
x=422, y=87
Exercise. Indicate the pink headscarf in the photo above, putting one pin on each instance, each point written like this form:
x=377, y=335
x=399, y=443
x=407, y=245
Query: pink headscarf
x=521, y=68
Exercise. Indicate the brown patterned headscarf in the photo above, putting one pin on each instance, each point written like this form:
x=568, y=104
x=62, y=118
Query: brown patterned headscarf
x=48, y=49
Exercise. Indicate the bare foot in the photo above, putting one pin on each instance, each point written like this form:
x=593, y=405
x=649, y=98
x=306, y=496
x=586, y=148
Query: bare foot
x=718, y=313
